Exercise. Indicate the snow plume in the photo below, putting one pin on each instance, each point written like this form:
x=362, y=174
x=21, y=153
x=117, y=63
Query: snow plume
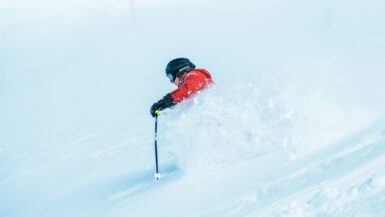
x=228, y=125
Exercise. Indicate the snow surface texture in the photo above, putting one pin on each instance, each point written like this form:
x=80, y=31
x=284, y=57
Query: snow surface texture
x=295, y=125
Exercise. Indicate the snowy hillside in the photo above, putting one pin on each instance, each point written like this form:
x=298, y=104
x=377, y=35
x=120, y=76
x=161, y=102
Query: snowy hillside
x=294, y=127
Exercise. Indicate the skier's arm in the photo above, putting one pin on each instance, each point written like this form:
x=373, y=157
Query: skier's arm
x=192, y=84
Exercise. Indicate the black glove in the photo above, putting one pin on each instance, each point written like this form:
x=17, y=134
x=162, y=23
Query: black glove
x=166, y=102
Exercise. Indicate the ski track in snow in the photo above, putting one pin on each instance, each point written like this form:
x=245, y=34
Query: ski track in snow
x=337, y=170
x=113, y=137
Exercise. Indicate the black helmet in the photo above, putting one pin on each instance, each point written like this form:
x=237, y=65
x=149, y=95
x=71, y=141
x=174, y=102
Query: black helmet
x=177, y=67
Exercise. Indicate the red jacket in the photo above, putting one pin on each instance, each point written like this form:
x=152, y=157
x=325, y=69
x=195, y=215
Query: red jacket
x=190, y=84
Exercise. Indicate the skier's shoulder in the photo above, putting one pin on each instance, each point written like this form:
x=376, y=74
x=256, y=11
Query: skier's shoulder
x=198, y=73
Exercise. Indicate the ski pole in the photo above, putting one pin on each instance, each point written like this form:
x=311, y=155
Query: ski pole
x=157, y=174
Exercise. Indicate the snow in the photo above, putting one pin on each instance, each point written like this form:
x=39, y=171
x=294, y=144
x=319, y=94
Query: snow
x=294, y=126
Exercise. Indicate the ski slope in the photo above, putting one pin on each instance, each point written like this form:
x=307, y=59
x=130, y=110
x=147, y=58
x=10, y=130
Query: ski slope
x=294, y=127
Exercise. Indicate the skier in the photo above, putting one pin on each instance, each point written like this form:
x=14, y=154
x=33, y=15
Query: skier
x=182, y=72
